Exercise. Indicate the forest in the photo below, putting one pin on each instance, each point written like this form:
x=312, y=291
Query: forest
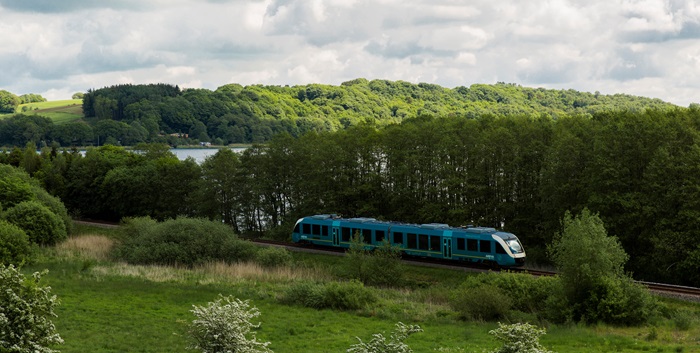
x=161, y=113
x=638, y=170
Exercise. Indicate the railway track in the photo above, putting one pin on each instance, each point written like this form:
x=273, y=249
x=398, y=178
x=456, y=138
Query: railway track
x=690, y=293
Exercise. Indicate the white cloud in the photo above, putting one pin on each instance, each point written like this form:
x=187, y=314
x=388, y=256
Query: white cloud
x=644, y=47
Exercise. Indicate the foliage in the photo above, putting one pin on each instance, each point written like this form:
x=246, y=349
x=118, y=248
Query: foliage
x=183, y=241
x=14, y=244
x=26, y=311
x=483, y=302
x=380, y=266
x=525, y=293
x=273, y=256
x=519, y=338
x=8, y=102
x=590, y=265
x=395, y=344
x=350, y=295
x=225, y=326
x=41, y=225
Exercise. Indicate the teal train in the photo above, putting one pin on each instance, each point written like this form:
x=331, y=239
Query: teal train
x=435, y=240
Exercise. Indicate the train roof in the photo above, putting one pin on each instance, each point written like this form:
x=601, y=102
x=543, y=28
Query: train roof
x=431, y=226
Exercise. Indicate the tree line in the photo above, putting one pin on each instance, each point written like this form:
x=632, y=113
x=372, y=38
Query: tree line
x=637, y=170
x=161, y=113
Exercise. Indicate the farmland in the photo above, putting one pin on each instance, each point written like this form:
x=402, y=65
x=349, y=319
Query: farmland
x=60, y=112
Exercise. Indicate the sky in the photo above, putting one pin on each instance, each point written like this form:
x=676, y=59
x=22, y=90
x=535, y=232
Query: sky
x=647, y=48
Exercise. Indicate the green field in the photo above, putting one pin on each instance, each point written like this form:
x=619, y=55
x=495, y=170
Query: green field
x=115, y=307
x=60, y=112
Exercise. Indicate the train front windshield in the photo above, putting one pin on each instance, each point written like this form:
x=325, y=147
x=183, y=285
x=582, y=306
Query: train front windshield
x=512, y=242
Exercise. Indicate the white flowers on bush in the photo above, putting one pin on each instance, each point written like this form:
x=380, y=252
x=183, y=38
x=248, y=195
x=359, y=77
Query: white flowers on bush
x=379, y=343
x=26, y=310
x=224, y=326
x=519, y=338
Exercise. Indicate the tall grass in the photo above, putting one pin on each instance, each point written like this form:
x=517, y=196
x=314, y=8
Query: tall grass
x=89, y=246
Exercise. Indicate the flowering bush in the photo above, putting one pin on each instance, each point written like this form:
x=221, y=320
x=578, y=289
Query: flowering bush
x=224, y=326
x=519, y=338
x=379, y=343
x=26, y=309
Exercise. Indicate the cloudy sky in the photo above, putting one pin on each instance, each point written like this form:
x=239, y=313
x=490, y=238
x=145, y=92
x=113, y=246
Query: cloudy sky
x=641, y=47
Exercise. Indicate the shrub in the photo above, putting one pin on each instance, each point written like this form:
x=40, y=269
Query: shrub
x=519, y=338
x=527, y=293
x=183, y=241
x=26, y=309
x=273, y=256
x=224, y=326
x=379, y=343
x=15, y=186
x=55, y=205
x=41, y=225
x=380, y=267
x=14, y=244
x=483, y=302
x=351, y=295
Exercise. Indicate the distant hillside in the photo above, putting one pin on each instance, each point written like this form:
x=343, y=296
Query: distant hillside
x=238, y=114
x=59, y=112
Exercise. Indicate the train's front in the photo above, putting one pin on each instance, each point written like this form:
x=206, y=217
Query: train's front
x=513, y=248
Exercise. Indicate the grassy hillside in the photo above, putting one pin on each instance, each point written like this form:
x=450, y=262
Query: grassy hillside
x=60, y=112
x=115, y=307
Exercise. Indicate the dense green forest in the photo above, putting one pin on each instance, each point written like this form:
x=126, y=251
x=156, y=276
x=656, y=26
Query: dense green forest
x=131, y=114
x=640, y=171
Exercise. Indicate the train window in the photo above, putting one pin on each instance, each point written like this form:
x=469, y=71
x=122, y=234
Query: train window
x=472, y=245
x=500, y=249
x=316, y=229
x=411, y=239
x=398, y=238
x=460, y=244
x=367, y=236
x=485, y=245
x=434, y=243
x=324, y=231
x=345, y=235
x=423, y=242
x=379, y=236
x=307, y=228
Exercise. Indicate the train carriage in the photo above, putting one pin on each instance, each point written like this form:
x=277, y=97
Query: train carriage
x=436, y=240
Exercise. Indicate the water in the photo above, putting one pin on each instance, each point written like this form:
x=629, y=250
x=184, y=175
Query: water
x=199, y=154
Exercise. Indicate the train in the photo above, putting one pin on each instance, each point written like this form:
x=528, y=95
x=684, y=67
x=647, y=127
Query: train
x=432, y=240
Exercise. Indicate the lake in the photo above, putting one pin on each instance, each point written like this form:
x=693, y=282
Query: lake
x=199, y=154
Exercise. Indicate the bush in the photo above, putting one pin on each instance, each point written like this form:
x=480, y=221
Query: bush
x=527, y=293
x=519, y=338
x=41, y=225
x=379, y=267
x=14, y=244
x=15, y=186
x=26, y=309
x=224, y=326
x=380, y=344
x=273, y=256
x=483, y=302
x=351, y=295
x=56, y=206
x=183, y=241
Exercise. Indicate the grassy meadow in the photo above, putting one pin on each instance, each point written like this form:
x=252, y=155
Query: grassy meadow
x=115, y=307
x=60, y=112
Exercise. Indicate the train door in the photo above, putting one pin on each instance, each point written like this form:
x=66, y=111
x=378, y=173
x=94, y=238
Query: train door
x=447, y=245
x=336, y=233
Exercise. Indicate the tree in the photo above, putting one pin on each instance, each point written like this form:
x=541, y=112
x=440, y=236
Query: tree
x=78, y=95
x=591, y=267
x=8, y=102
x=519, y=338
x=26, y=309
x=395, y=344
x=224, y=326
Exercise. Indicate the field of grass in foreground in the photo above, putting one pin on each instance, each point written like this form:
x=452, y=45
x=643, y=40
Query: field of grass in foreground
x=60, y=112
x=113, y=307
